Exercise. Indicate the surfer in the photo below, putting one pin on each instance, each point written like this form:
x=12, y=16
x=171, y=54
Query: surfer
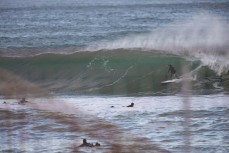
x=97, y=144
x=131, y=105
x=23, y=101
x=172, y=72
x=86, y=144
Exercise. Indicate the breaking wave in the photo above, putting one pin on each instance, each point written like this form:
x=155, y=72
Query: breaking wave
x=117, y=72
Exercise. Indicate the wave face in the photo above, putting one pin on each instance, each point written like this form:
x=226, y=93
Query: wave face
x=113, y=72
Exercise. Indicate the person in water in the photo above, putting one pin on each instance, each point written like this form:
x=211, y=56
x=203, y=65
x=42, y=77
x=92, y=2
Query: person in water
x=131, y=105
x=23, y=101
x=97, y=144
x=172, y=72
x=86, y=144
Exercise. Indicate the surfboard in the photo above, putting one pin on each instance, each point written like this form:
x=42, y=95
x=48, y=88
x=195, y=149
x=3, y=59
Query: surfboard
x=170, y=81
x=179, y=80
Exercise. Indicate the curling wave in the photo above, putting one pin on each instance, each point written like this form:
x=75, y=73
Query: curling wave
x=113, y=72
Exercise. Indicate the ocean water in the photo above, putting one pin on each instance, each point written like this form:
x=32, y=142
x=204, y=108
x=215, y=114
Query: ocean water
x=154, y=124
x=74, y=59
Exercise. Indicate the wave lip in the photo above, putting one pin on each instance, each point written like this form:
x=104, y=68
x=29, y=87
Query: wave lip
x=201, y=32
x=204, y=36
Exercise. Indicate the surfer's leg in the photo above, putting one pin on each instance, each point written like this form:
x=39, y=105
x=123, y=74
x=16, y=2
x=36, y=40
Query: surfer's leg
x=174, y=75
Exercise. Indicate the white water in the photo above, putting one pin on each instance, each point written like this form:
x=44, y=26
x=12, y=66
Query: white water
x=159, y=120
x=203, y=36
x=199, y=32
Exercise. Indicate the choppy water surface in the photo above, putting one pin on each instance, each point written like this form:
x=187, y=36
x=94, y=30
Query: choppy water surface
x=79, y=58
x=62, y=26
x=61, y=124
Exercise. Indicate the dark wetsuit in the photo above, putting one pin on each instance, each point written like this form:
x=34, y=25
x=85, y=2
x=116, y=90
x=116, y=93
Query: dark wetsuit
x=85, y=144
x=131, y=105
x=172, y=71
